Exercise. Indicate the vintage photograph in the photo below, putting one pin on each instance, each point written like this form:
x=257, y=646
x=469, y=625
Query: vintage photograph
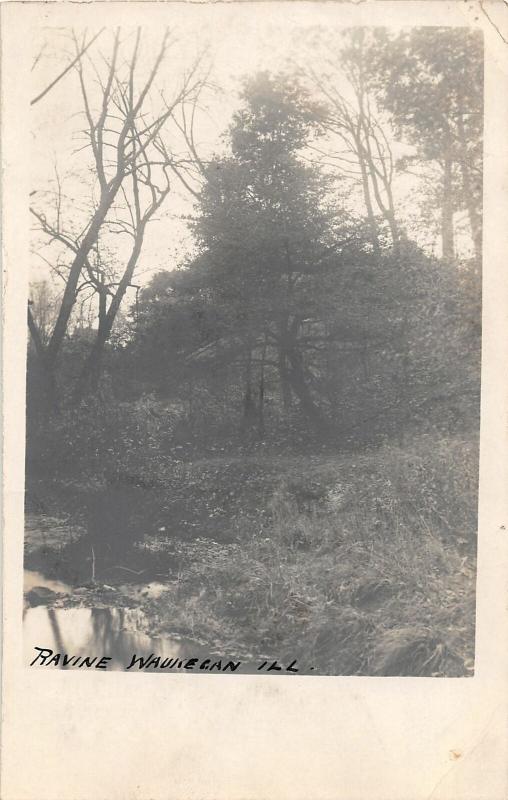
x=253, y=349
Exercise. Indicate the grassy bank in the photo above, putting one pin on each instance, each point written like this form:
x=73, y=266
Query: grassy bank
x=354, y=563
x=364, y=565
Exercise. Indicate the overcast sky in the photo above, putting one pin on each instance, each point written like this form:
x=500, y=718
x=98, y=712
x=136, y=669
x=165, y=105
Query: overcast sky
x=245, y=42
x=242, y=45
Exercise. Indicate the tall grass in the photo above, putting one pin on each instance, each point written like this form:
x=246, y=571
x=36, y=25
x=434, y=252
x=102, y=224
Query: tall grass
x=374, y=577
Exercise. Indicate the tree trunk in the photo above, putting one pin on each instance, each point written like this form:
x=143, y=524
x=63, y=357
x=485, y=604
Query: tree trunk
x=474, y=214
x=447, y=211
x=298, y=384
x=69, y=295
x=284, y=380
x=102, y=334
x=261, y=409
x=367, y=199
x=90, y=374
x=392, y=224
x=386, y=208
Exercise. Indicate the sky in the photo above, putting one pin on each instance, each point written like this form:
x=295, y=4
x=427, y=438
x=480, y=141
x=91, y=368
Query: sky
x=243, y=44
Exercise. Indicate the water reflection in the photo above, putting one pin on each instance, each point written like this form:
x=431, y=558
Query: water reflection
x=117, y=633
x=92, y=632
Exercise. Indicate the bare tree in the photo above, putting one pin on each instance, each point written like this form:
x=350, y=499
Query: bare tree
x=79, y=55
x=363, y=152
x=132, y=165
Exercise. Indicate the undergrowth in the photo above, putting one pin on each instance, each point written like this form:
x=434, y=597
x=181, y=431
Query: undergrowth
x=364, y=566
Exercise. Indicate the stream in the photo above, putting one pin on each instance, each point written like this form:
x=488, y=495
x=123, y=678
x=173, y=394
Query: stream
x=117, y=633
